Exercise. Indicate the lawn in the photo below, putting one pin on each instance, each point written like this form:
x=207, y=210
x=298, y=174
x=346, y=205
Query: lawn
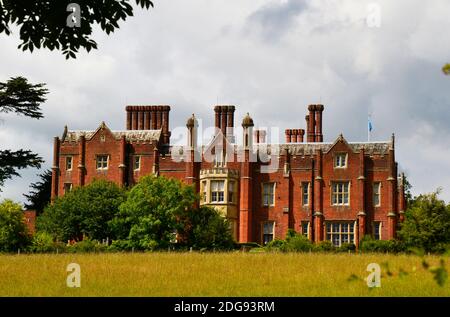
x=217, y=274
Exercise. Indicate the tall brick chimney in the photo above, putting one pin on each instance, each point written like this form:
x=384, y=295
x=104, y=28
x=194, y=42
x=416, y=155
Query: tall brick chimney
x=224, y=118
x=288, y=133
x=318, y=131
x=311, y=124
x=300, y=135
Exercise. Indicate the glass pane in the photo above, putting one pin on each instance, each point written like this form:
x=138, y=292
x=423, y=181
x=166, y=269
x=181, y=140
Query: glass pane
x=268, y=227
x=221, y=185
x=345, y=227
x=335, y=227
x=345, y=238
x=335, y=240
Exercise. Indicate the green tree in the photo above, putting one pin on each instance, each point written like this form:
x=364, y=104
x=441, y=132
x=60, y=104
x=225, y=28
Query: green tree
x=13, y=231
x=44, y=23
x=85, y=211
x=40, y=195
x=427, y=223
x=206, y=228
x=148, y=219
x=23, y=98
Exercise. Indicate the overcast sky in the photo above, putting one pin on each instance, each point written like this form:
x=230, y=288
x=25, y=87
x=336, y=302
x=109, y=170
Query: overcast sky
x=269, y=58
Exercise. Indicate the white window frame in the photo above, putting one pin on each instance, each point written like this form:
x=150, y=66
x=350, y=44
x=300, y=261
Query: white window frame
x=66, y=188
x=270, y=224
x=336, y=229
x=69, y=159
x=303, y=223
x=137, y=159
x=216, y=198
x=270, y=194
x=340, y=193
x=231, y=190
x=340, y=160
x=97, y=161
x=205, y=191
x=305, y=184
x=376, y=190
x=374, y=229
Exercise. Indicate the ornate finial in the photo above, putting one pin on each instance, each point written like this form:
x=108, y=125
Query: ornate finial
x=103, y=125
x=64, y=133
x=191, y=122
x=247, y=121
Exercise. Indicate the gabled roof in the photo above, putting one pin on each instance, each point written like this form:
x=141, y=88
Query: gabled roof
x=130, y=135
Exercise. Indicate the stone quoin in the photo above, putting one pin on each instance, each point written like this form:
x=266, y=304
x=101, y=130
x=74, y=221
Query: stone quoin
x=337, y=191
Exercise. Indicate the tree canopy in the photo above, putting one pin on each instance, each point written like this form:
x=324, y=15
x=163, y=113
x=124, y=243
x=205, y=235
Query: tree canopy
x=13, y=231
x=84, y=211
x=427, y=223
x=44, y=23
x=40, y=194
x=148, y=219
x=23, y=98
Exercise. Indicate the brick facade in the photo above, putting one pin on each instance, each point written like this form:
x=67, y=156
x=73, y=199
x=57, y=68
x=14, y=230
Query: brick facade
x=337, y=191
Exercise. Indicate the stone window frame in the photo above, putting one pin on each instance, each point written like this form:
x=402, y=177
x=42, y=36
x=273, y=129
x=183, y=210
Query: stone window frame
x=231, y=188
x=263, y=234
x=350, y=233
x=204, y=191
x=263, y=194
x=66, y=188
x=376, y=194
x=139, y=161
x=332, y=193
x=97, y=157
x=374, y=231
x=69, y=158
x=308, y=228
x=308, y=194
x=218, y=191
x=335, y=158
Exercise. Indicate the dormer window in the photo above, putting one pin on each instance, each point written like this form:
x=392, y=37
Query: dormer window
x=340, y=160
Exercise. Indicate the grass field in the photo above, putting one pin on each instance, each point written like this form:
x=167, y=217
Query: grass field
x=216, y=274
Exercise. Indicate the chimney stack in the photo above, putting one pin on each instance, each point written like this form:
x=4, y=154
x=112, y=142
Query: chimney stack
x=300, y=135
x=311, y=123
x=318, y=133
x=288, y=133
x=149, y=118
x=293, y=135
x=224, y=119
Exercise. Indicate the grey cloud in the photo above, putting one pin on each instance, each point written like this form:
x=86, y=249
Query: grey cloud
x=275, y=18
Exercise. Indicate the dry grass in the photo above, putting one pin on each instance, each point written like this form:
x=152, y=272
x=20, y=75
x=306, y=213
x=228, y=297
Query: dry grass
x=215, y=274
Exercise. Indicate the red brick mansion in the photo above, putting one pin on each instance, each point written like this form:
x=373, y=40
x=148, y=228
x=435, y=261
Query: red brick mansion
x=337, y=191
